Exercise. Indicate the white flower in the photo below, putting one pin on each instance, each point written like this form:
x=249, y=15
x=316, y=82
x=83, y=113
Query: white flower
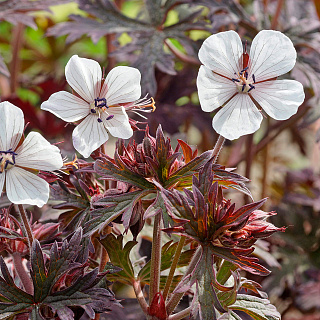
x=96, y=100
x=231, y=80
x=34, y=153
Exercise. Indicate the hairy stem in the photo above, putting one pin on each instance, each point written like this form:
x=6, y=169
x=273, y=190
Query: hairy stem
x=140, y=297
x=155, y=258
x=180, y=315
x=22, y=273
x=26, y=225
x=218, y=147
x=176, y=297
x=173, y=266
x=249, y=159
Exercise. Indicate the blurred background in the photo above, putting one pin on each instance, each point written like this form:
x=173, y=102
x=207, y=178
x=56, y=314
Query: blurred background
x=162, y=39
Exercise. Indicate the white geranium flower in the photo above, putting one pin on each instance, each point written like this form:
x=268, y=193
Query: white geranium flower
x=99, y=101
x=238, y=82
x=35, y=153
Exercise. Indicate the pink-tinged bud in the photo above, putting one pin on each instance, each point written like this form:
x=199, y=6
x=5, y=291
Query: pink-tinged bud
x=157, y=307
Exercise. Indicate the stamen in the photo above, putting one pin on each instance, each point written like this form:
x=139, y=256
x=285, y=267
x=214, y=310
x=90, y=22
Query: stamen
x=246, y=75
x=93, y=111
x=99, y=120
x=100, y=103
x=251, y=87
x=245, y=69
x=110, y=117
x=243, y=86
x=254, y=78
x=235, y=80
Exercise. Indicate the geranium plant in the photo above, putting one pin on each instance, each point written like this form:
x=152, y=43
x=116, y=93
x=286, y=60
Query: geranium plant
x=202, y=242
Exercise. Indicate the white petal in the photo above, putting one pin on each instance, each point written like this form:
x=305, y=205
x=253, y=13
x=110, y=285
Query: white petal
x=89, y=135
x=222, y=53
x=2, y=178
x=66, y=106
x=37, y=153
x=213, y=89
x=122, y=85
x=119, y=125
x=11, y=125
x=280, y=99
x=84, y=76
x=237, y=118
x=271, y=55
x=24, y=187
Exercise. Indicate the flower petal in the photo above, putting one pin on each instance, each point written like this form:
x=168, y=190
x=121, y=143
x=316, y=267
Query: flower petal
x=222, y=53
x=37, y=153
x=89, y=135
x=11, y=125
x=66, y=106
x=24, y=187
x=122, y=85
x=84, y=76
x=119, y=125
x=271, y=55
x=213, y=89
x=2, y=178
x=280, y=99
x=237, y=118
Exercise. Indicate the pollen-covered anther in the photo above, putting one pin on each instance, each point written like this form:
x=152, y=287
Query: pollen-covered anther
x=110, y=117
x=7, y=159
x=243, y=84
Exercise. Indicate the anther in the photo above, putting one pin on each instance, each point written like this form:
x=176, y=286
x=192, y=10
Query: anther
x=254, y=78
x=110, y=117
x=235, y=80
x=251, y=87
x=243, y=86
x=100, y=103
x=93, y=111
x=245, y=69
x=99, y=120
x=246, y=75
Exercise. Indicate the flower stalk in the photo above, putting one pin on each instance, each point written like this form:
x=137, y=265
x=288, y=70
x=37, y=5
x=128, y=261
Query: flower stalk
x=26, y=226
x=218, y=147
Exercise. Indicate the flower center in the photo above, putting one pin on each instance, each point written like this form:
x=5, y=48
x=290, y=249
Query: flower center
x=99, y=106
x=7, y=160
x=243, y=84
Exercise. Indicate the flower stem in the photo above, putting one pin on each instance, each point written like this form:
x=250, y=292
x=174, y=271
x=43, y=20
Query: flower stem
x=26, y=225
x=180, y=315
x=176, y=297
x=173, y=266
x=155, y=258
x=139, y=294
x=249, y=158
x=218, y=147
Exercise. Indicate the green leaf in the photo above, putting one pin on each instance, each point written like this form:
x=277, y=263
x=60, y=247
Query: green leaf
x=257, y=308
x=119, y=171
x=119, y=256
x=114, y=205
